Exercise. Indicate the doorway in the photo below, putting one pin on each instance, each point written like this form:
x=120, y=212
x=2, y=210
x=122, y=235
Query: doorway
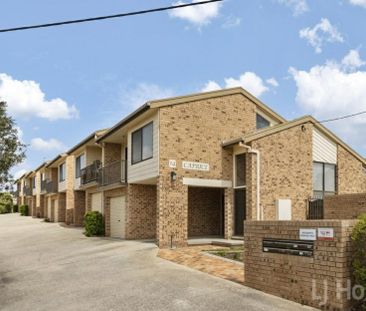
x=239, y=193
x=240, y=211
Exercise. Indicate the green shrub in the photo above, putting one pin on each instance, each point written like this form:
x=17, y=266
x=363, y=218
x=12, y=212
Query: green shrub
x=359, y=256
x=5, y=208
x=15, y=208
x=94, y=224
x=23, y=209
x=6, y=203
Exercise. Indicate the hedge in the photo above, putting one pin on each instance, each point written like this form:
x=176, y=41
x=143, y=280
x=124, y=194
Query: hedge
x=94, y=224
x=359, y=258
x=15, y=208
x=24, y=210
x=5, y=208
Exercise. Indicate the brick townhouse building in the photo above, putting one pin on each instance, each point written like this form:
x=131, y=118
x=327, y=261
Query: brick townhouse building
x=199, y=165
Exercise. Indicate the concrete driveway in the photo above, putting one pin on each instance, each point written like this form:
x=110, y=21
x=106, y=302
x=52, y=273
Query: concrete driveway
x=44, y=266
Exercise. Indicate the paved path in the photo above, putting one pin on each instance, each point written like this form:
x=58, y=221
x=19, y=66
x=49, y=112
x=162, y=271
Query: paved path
x=44, y=266
x=195, y=257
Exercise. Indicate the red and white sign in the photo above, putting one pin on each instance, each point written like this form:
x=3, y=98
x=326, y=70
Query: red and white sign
x=326, y=234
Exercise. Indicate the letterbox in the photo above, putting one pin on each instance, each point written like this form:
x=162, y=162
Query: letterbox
x=289, y=247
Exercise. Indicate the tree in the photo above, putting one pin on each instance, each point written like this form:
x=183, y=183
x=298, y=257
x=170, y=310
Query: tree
x=12, y=150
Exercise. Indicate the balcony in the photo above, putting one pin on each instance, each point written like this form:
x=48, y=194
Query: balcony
x=90, y=173
x=50, y=186
x=28, y=191
x=43, y=186
x=112, y=174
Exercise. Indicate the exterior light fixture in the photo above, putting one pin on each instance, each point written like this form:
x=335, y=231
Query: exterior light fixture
x=173, y=176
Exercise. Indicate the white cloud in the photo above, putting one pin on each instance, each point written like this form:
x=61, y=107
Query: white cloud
x=47, y=145
x=144, y=92
x=298, y=7
x=26, y=99
x=231, y=22
x=322, y=32
x=332, y=90
x=358, y=2
x=273, y=82
x=211, y=86
x=248, y=80
x=199, y=15
x=352, y=60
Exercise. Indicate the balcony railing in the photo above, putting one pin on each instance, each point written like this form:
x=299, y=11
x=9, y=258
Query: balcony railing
x=112, y=173
x=28, y=191
x=43, y=185
x=51, y=187
x=90, y=173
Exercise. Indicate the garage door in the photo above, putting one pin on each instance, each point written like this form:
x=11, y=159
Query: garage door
x=96, y=202
x=118, y=212
x=56, y=210
x=49, y=208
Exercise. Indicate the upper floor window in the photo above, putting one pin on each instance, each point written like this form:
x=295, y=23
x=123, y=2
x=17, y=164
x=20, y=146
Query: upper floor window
x=240, y=170
x=79, y=165
x=262, y=122
x=142, y=144
x=62, y=172
x=34, y=182
x=324, y=179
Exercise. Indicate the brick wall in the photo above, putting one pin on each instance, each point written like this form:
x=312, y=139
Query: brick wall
x=61, y=207
x=70, y=192
x=344, y=206
x=79, y=208
x=41, y=206
x=204, y=211
x=112, y=153
x=141, y=212
x=194, y=132
x=286, y=172
x=291, y=277
x=107, y=195
x=69, y=216
x=351, y=175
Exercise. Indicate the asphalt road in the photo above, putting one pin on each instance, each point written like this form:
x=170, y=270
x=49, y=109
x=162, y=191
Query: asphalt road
x=44, y=266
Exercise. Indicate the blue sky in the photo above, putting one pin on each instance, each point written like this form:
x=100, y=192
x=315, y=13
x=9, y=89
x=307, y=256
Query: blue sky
x=298, y=56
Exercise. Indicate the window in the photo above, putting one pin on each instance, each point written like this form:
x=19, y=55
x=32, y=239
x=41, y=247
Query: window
x=142, y=144
x=240, y=170
x=62, y=172
x=324, y=179
x=262, y=122
x=34, y=182
x=79, y=165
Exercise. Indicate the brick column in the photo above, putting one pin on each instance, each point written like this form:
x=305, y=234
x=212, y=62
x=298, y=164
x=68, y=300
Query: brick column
x=172, y=212
x=229, y=210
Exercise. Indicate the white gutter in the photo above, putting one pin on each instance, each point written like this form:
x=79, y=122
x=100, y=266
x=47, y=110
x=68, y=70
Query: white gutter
x=257, y=153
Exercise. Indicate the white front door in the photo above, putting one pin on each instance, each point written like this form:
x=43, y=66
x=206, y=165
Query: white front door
x=56, y=210
x=49, y=208
x=96, y=202
x=118, y=213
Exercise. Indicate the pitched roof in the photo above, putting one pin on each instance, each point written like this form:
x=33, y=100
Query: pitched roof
x=287, y=125
x=154, y=104
x=60, y=156
x=95, y=135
